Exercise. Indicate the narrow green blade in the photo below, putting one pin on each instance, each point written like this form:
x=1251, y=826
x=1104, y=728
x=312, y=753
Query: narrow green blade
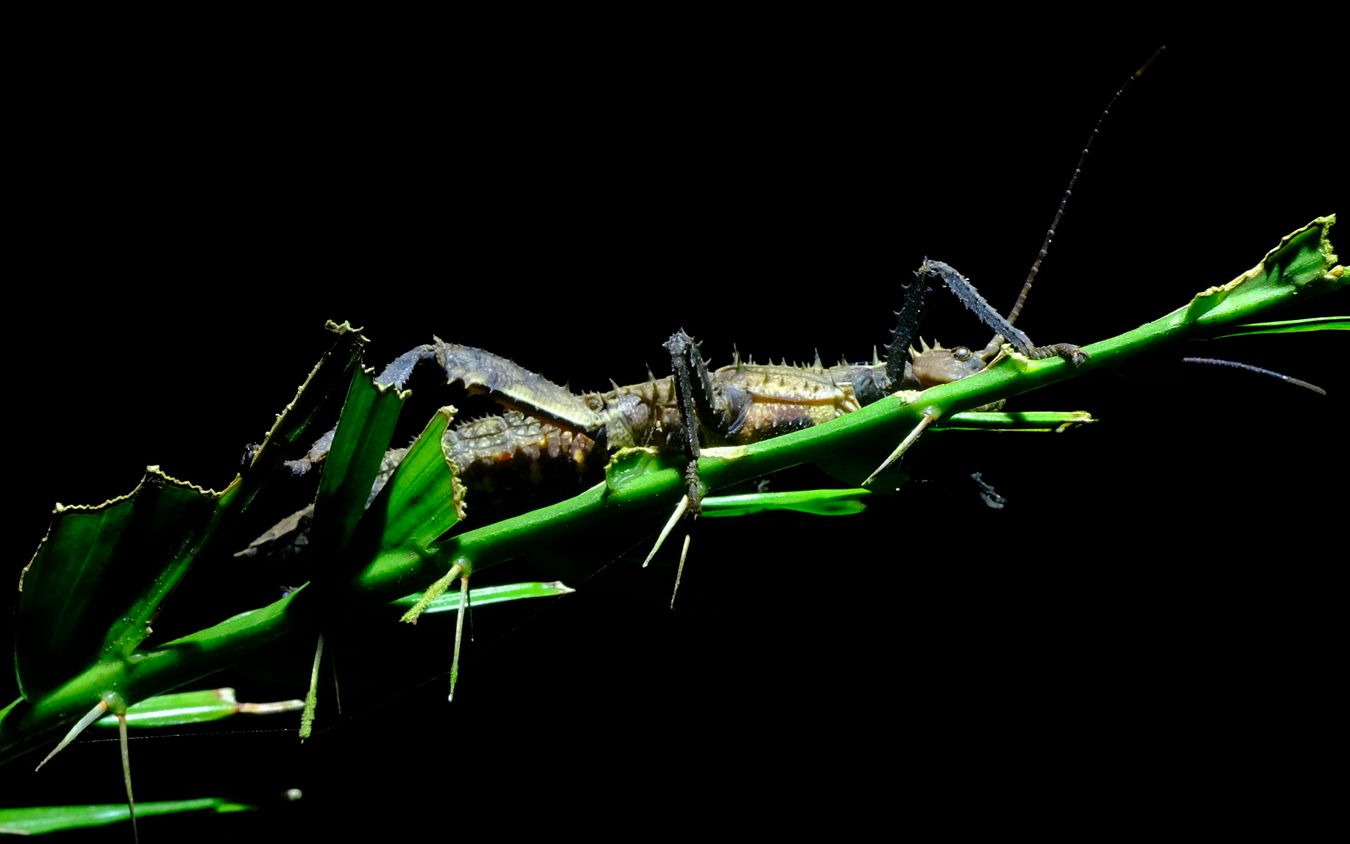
x=363, y=433
x=316, y=398
x=1035, y=421
x=38, y=820
x=174, y=710
x=422, y=500
x=1291, y=326
x=816, y=502
x=449, y=602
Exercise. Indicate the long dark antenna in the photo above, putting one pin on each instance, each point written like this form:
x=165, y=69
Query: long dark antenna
x=1259, y=370
x=1078, y=168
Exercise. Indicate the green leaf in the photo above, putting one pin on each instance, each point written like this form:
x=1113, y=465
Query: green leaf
x=449, y=601
x=38, y=820
x=1039, y=421
x=1301, y=263
x=816, y=502
x=1291, y=326
x=197, y=707
x=102, y=572
x=422, y=500
x=316, y=401
x=99, y=577
x=363, y=432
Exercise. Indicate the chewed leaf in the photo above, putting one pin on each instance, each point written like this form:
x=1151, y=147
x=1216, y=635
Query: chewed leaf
x=1301, y=262
x=100, y=575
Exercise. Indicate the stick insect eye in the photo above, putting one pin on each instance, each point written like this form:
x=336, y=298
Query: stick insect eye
x=961, y=353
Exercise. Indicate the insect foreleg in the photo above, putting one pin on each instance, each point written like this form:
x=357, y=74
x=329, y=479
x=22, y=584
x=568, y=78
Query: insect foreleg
x=971, y=298
x=938, y=365
x=907, y=328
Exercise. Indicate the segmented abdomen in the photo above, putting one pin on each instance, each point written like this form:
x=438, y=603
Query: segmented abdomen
x=513, y=462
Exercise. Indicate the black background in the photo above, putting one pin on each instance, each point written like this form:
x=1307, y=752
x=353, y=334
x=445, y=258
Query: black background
x=1158, y=584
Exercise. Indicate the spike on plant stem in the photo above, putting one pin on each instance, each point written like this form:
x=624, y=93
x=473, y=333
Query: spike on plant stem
x=126, y=771
x=80, y=726
x=459, y=632
x=312, y=696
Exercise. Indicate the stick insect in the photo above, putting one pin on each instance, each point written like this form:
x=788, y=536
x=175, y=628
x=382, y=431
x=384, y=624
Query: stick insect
x=550, y=431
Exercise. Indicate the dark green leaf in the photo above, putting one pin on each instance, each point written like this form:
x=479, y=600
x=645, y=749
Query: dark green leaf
x=363, y=433
x=420, y=502
x=100, y=574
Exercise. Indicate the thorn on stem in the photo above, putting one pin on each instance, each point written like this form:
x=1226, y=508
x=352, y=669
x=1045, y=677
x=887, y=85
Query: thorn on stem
x=679, y=571
x=312, y=696
x=675, y=517
x=459, y=633
x=80, y=726
x=929, y=416
x=126, y=773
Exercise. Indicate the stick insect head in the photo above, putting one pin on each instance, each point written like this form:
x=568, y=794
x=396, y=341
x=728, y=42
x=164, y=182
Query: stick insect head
x=933, y=365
